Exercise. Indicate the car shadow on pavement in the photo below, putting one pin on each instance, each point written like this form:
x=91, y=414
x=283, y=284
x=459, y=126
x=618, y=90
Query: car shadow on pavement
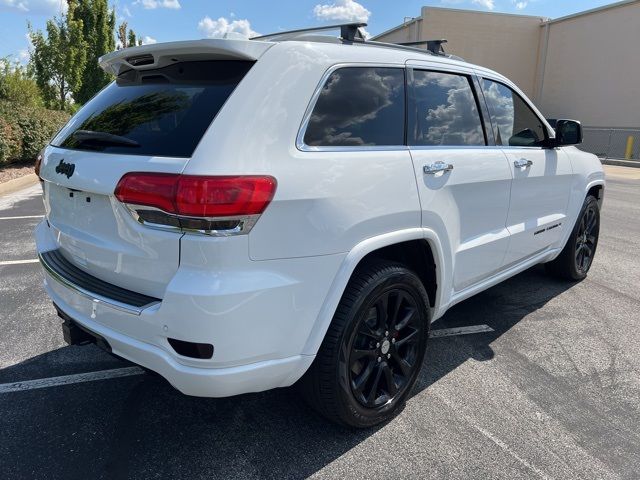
x=140, y=427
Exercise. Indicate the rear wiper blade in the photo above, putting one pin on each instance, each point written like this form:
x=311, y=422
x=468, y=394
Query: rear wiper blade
x=104, y=137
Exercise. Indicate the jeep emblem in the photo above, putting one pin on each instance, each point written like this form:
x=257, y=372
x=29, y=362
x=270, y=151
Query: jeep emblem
x=65, y=168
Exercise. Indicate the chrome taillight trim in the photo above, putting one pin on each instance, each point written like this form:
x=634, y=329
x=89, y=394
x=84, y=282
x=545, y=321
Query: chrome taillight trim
x=244, y=223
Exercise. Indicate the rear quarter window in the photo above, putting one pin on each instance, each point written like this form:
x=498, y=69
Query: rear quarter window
x=359, y=106
x=161, y=112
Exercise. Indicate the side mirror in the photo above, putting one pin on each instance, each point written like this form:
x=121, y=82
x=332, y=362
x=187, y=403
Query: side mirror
x=568, y=132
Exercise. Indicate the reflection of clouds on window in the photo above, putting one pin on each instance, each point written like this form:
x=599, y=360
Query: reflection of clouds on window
x=514, y=122
x=359, y=106
x=500, y=101
x=446, y=110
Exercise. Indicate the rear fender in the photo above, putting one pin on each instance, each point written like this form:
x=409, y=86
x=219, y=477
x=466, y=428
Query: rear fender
x=351, y=261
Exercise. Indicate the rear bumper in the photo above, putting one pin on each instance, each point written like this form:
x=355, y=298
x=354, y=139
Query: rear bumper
x=258, y=316
x=201, y=382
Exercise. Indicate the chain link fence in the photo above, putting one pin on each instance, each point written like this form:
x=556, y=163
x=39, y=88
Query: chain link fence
x=613, y=143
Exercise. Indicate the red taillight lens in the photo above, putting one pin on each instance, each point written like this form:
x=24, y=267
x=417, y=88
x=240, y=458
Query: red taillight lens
x=39, y=162
x=195, y=196
x=150, y=189
x=223, y=196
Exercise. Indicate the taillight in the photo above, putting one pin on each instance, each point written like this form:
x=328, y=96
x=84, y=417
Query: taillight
x=216, y=205
x=39, y=163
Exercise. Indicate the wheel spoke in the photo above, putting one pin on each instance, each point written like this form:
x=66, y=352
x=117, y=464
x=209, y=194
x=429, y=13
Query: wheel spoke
x=357, y=354
x=412, y=337
x=402, y=363
x=360, y=381
x=406, y=319
x=392, y=388
x=374, y=386
x=395, y=306
x=367, y=331
x=588, y=250
x=578, y=252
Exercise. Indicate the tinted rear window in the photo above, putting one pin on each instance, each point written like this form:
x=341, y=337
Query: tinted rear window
x=162, y=112
x=359, y=106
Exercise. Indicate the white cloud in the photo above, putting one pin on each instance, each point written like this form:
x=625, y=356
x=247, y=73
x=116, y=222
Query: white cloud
x=147, y=40
x=153, y=4
x=221, y=27
x=43, y=7
x=343, y=10
x=488, y=4
x=126, y=11
x=520, y=5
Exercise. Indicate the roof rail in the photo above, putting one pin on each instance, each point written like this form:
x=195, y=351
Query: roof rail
x=349, y=32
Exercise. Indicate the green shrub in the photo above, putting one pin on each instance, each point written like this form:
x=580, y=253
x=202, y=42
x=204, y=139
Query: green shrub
x=24, y=131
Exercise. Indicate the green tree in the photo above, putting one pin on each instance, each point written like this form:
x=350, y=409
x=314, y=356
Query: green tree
x=127, y=38
x=59, y=59
x=98, y=24
x=17, y=84
x=132, y=38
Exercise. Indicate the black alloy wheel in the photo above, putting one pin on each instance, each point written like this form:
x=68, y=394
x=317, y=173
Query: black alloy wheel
x=586, y=239
x=383, y=352
x=373, y=350
x=576, y=258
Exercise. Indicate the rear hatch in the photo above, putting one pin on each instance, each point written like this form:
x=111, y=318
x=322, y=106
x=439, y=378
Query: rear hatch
x=150, y=119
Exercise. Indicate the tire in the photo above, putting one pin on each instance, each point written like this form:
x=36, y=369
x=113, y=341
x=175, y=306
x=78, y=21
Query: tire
x=368, y=361
x=576, y=257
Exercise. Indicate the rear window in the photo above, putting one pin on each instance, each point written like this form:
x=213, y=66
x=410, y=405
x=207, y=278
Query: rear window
x=161, y=112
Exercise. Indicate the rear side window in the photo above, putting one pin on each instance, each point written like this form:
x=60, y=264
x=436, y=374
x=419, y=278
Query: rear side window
x=359, y=106
x=444, y=111
x=514, y=123
x=161, y=112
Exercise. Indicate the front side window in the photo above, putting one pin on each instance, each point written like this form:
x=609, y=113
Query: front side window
x=514, y=123
x=359, y=106
x=444, y=111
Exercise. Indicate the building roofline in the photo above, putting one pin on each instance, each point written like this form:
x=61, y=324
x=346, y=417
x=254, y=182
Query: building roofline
x=397, y=27
x=591, y=11
x=463, y=10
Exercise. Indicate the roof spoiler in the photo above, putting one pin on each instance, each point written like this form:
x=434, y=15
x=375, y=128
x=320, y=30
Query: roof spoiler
x=160, y=55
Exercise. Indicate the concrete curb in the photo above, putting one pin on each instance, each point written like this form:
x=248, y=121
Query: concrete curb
x=621, y=163
x=18, y=184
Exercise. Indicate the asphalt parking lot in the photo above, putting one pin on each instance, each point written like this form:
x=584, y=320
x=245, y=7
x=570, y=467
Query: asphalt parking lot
x=552, y=392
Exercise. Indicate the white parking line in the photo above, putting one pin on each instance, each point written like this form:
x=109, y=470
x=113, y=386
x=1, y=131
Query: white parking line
x=69, y=379
x=18, y=262
x=129, y=371
x=449, y=332
x=21, y=217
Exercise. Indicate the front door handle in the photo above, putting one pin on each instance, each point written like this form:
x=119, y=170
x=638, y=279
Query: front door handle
x=436, y=168
x=523, y=163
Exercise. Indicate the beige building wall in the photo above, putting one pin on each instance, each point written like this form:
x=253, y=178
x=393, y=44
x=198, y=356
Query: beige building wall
x=585, y=66
x=505, y=43
x=592, y=68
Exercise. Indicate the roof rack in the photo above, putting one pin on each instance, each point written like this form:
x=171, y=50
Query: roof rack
x=434, y=46
x=349, y=32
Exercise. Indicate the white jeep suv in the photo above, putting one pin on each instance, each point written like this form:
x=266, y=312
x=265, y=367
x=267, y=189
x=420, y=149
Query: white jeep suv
x=240, y=215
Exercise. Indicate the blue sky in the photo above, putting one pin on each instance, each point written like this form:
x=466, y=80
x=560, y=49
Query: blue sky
x=166, y=20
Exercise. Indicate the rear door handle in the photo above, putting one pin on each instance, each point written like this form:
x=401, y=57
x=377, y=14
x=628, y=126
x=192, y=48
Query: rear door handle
x=436, y=168
x=523, y=163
